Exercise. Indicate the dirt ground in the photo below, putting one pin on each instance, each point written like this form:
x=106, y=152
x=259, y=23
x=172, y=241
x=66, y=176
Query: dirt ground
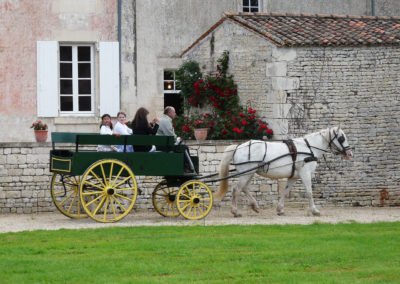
x=218, y=217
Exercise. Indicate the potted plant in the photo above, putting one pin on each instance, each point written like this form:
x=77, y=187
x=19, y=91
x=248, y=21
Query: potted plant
x=40, y=130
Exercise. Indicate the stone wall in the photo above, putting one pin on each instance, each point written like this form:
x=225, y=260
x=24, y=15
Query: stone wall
x=357, y=88
x=25, y=182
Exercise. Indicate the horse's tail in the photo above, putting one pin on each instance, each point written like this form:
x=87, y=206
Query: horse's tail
x=224, y=170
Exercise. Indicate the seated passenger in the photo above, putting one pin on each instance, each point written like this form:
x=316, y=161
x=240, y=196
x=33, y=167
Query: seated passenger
x=167, y=129
x=141, y=126
x=121, y=129
x=106, y=129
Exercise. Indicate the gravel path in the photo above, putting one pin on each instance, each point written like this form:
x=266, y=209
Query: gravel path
x=55, y=221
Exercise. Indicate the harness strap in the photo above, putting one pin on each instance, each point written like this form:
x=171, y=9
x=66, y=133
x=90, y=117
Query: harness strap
x=293, y=152
x=309, y=147
x=265, y=154
x=249, y=149
x=234, y=152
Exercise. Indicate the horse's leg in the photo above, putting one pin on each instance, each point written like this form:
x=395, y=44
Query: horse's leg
x=242, y=184
x=284, y=193
x=252, y=201
x=235, y=193
x=306, y=178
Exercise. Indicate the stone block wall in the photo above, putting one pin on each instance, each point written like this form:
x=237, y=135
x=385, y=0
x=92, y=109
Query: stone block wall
x=25, y=178
x=25, y=182
x=357, y=88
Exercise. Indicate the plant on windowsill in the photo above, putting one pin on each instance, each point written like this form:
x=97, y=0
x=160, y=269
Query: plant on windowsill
x=40, y=130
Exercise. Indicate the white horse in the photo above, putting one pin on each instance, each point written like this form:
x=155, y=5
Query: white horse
x=276, y=160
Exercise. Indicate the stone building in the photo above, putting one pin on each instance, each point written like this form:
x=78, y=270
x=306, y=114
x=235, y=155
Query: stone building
x=50, y=67
x=134, y=47
x=123, y=54
x=309, y=72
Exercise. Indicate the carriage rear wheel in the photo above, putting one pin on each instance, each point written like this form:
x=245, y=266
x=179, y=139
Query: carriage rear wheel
x=65, y=195
x=194, y=200
x=164, y=199
x=108, y=190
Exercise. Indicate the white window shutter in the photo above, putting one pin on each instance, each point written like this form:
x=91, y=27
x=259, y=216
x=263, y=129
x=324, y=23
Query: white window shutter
x=109, y=78
x=47, y=79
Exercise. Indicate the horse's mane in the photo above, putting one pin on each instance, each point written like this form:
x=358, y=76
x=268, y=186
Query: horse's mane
x=323, y=132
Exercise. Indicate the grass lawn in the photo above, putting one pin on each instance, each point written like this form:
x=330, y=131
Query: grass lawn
x=319, y=253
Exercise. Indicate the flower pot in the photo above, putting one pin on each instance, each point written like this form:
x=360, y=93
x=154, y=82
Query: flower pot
x=41, y=135
x=200, y=134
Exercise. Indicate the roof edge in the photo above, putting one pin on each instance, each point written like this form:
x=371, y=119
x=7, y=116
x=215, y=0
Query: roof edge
x=231, y=14
x=204, y=35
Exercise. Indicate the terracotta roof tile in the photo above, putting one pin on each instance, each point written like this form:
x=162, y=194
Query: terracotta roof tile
x=315, y=29
x=320, y=29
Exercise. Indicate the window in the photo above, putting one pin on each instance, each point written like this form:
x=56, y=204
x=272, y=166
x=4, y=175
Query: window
x=251, y=6
x=65, y=79
x=76, y=78
x=171, y=92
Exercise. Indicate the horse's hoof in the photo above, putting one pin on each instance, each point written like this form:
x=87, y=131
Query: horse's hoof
x=255, y=208
x=281, y=213
x=316, y=213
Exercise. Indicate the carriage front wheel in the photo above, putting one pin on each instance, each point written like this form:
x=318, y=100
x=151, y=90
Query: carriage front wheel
x=65, y=195
x=194, y=200
x=164, y=199
x=108, y=190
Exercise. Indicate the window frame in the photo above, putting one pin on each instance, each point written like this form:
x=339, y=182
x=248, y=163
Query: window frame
x=174, y=90
x=75, y=91
x=250, y=7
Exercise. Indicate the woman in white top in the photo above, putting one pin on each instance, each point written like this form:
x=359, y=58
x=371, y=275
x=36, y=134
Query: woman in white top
x=121, y=129
x=106, y=129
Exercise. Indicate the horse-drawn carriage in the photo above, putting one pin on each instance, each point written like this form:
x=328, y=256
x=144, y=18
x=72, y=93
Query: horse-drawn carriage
x=102, y=185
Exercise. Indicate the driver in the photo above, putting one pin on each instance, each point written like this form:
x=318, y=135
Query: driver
x=166, y=128
x=165, y=125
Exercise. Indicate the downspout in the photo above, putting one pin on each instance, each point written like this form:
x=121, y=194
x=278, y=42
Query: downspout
x=135, y=48
x=120, y=49
x=373, y=7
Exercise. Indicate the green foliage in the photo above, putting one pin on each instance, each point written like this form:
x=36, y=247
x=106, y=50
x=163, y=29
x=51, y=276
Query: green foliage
x=186, y=76
x=318, y=253
x=213, y=102
x=39, y=125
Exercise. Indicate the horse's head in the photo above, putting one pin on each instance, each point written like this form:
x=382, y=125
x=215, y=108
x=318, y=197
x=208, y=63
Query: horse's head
x=338, y=143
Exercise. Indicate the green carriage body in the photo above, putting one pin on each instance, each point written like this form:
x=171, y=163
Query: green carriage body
x=167, y=161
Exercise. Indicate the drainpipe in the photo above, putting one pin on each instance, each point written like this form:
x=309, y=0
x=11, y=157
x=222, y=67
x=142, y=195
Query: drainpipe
x=373, y=7
x=119, y=40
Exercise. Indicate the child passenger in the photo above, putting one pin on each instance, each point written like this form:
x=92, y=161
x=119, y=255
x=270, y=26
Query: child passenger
x=121, y=129
x=106, y=128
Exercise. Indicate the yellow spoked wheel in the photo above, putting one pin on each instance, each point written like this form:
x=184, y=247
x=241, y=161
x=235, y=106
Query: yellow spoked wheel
x=108, y=190
x=65, y=195
x=194, y=200
x=164, y=199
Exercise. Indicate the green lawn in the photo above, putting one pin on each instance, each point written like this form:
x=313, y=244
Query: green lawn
x=319, y=253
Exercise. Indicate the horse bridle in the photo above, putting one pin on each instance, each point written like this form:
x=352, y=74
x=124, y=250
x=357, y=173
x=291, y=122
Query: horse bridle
x=335, y=150
x=340, y=140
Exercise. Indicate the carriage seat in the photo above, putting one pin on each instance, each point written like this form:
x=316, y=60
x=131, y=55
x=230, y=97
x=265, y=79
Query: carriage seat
x=163, y=143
